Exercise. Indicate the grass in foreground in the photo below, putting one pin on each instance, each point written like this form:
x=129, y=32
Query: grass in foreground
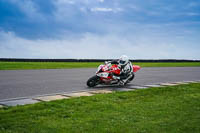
x=64, y=65
x=157, y=110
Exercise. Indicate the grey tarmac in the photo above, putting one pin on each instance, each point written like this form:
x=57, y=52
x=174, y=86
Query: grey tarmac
x=31, y=83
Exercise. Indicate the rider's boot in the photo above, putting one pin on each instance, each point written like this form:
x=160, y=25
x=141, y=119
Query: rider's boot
x=121, y=82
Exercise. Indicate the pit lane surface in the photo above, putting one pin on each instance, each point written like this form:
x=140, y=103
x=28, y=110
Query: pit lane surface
x=26, y=83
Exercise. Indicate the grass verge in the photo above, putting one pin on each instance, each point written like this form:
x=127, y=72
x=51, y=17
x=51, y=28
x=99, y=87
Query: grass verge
x=64, y=65
x=169, y=109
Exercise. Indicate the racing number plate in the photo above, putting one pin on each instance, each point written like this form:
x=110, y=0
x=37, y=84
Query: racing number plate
x=104, y=75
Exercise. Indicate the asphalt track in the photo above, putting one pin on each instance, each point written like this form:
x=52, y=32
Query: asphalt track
x=27, y=83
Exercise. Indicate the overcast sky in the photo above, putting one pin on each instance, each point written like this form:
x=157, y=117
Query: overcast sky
x=141, y=29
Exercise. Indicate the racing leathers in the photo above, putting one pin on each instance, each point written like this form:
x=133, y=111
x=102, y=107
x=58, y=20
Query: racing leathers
x=126, y=71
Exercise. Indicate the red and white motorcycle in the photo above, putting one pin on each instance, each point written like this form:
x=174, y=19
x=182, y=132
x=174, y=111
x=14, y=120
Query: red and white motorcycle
x=105, y=75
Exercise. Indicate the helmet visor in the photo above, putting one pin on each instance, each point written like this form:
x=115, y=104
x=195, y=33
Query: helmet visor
x=122, y=62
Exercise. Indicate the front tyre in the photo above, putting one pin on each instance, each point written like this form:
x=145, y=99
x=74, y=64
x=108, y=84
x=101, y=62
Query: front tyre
x=93, y=81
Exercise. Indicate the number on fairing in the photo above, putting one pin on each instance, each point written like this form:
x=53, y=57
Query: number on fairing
x=105, y=75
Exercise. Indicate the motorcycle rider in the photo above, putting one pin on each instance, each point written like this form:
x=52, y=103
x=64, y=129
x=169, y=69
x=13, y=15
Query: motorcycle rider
x=126, y=69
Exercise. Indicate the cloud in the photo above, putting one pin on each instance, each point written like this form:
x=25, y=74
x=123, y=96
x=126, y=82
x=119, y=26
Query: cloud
x=103, y=9
x=29, y=8
x=101, y=1
x=92, y=46
x=159, y=29
x=98, y=9
x=192, y=14
x=193, y=4
x=60, y=2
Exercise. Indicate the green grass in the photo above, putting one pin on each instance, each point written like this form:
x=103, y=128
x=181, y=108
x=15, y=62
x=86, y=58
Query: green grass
x=168, y=64
x=156, y=110
x=45, y=65
x=65, y=65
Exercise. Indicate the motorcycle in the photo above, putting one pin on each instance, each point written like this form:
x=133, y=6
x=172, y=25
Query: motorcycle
x=105, y=75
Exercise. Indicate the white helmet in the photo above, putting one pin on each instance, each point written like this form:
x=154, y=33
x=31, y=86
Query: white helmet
x=123, y=60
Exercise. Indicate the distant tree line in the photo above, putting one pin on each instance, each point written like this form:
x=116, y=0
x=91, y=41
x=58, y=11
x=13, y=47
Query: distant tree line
x=91, y=60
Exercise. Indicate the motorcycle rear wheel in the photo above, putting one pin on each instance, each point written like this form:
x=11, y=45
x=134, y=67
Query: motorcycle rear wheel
x=93, y=81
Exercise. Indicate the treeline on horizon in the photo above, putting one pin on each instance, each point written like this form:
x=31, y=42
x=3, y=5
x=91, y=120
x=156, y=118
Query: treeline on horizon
x=91, y=60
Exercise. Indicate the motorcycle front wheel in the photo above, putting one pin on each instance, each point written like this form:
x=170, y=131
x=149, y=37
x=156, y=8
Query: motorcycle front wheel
x=93, y=81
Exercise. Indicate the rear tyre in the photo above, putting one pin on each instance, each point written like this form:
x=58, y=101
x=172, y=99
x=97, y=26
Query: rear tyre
x=93, y=81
